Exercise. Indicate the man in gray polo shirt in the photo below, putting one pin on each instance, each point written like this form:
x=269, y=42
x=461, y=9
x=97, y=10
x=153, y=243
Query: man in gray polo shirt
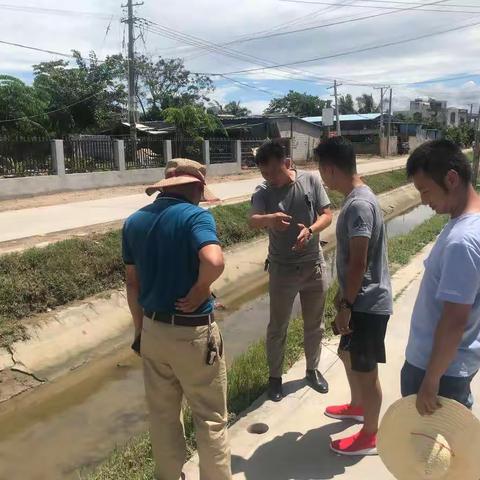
x=294, y=207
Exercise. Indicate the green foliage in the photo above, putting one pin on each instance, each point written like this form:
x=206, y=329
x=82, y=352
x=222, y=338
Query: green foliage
x=299, y=104
x=345, y=104
x=165, y=83
x=463, y=136
x=94, y=90
x=18, y=100
x=192, y=121
x=366, y=104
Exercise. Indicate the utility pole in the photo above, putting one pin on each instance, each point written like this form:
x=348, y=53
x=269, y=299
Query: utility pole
x=132, y=102
x=337, y=114
x=337, y=111
x=382, y=124
x=389, y=127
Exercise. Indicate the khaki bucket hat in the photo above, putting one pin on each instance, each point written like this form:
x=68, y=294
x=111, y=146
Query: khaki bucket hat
x=442, y=446
x=181, y=171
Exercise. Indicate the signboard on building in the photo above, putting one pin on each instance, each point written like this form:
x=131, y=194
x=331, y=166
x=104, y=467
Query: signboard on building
x=327, y=117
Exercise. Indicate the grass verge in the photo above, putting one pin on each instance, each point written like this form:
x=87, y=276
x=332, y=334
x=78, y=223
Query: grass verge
x=38, y=280
x=249, y=373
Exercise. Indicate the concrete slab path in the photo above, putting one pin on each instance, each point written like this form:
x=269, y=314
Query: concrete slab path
x=296, y=446
x=26, y=223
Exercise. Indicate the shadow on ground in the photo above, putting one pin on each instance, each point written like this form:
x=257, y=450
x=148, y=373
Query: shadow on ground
x=293, y=456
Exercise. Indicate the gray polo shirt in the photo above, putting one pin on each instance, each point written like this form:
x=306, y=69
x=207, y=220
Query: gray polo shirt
x=362, y=216
x=302, y=200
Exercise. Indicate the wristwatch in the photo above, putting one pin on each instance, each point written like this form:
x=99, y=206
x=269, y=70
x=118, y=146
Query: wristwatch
x=344, y=304
x=310, y=230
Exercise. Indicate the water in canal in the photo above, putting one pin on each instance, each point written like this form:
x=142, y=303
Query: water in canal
x=74, y=423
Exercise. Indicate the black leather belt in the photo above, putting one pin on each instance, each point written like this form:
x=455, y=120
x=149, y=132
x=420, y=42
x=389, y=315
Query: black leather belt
x=181, y=320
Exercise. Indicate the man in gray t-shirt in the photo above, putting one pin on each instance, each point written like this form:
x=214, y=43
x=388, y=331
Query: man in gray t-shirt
x=293, y=206
x=364, y=301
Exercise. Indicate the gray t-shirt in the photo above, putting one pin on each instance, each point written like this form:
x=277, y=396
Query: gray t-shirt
x=362, y=216
x=302, y=200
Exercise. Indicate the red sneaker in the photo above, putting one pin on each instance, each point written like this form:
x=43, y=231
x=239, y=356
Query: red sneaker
x=359, y=444
x=345, y=412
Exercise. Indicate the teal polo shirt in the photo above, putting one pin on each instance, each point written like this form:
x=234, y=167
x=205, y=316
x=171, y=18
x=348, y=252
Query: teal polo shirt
x=162, y=240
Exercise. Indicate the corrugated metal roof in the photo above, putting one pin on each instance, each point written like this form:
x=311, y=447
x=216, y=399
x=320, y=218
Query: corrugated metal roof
x=347, y=118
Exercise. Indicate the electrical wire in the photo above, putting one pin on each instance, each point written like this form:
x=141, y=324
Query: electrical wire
x=358, y=50
x=383, y=2
x=55, y=11
x=341, y=22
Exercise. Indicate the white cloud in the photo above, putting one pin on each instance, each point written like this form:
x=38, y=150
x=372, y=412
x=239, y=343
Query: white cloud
x=220, y=21
x=256, y=106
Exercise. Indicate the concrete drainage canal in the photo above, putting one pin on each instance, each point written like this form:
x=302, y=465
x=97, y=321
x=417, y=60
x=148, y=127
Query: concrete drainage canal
x=74, y=423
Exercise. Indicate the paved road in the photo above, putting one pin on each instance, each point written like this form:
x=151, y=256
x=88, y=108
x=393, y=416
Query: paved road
x=19, y=224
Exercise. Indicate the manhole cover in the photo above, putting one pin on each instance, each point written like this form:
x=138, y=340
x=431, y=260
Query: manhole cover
x=258, y=428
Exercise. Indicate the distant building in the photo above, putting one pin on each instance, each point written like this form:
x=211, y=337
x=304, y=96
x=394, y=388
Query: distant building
x=432, y=110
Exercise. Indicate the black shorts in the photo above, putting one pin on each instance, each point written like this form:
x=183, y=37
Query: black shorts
x=366, y=343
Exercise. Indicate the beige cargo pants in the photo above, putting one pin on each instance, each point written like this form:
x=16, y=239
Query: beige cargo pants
x=174, y=362
x=286, y=282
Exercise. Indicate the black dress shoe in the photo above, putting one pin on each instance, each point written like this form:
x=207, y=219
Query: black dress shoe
x=316, y=380
x=275, y=392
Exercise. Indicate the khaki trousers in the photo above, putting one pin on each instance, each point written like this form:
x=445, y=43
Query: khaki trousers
x=286, y=282
x=174, y=362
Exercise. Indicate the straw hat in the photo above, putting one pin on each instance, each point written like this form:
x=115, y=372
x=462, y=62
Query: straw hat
x=442, y=446
x=181, y=171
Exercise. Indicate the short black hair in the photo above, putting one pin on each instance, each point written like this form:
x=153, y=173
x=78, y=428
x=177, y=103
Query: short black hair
x=337, y=151
x=268, y=150
x=436, y=158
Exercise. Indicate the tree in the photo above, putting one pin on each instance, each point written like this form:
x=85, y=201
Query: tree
x=86, y=98
x=463, y=135
x=366, y=104
x=19, y=101
x=166, y=83
x=299, y=104
x=192, y=121
x=345, y=104
x=231, y=108
x=234, y=108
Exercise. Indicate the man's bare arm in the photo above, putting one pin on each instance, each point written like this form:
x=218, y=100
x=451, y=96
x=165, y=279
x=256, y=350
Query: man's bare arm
x=357, y=265
x=276, y=221
x=448, y=336
x=133, y=292
x=324, y=220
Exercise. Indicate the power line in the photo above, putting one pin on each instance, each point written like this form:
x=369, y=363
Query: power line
x=420, y=6
x=55, y=11
x=332, y=24
x=358, y=50
x=29, y=47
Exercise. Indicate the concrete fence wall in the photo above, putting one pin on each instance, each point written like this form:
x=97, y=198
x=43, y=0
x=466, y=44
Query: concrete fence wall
x=62, y=182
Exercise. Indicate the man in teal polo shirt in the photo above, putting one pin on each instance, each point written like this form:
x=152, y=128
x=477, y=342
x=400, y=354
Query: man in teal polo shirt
x=172, y=256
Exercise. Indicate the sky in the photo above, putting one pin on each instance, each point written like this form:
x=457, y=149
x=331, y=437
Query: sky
x=324, y=36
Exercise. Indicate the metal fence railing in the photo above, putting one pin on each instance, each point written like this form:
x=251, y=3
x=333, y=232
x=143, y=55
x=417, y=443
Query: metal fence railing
x=222, y=151
x=88, y=155
x=248, y=146
x=188, y=148
x=149, y=153
x=22, y=157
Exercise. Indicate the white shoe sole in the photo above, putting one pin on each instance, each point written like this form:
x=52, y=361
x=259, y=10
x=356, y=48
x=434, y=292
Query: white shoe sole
x=358, y=418
x=358, y=453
